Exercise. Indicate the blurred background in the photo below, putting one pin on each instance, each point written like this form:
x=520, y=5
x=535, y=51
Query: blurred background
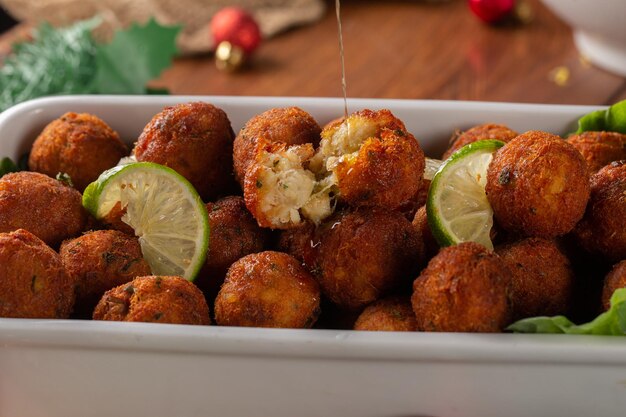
x=492, y=50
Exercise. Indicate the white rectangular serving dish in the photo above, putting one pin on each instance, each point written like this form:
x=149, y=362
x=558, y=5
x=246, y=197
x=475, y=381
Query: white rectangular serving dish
x=80, y=368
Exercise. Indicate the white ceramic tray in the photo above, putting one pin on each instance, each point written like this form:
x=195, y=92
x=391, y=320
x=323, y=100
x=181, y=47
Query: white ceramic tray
x=80, y=368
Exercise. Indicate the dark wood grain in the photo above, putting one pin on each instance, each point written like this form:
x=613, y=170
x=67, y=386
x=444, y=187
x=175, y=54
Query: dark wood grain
x=407, y=49
x=412, y=49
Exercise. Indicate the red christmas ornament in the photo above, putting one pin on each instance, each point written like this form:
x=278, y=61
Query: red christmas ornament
x=236, y=26
x=492, y=11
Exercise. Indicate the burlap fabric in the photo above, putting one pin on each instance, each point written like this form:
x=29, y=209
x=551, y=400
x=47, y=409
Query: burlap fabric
x=273, y=15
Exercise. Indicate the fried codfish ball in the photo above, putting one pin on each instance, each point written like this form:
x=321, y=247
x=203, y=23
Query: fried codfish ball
x=410, y=208
x=365, y=254
x=280, y=192
x=34, y=283
x=194, y=139
x=602, y=231
x=99, y=261
x=615, y=280
x=371, y=159
x=538, y=185
x=287, y=126
x=234, y=234
x=463, y=289
x=541, y=280
x=48, y=208
x=268, y=289
x=155, y=299
x=368, y=160
x=113, y=220
x=420, y=223
x=480, y=132
x=599, y=148
x=80, y=145
x=393, y=314
x=300, y=242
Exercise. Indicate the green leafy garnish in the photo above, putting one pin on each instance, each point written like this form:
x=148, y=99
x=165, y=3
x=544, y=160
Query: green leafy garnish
x=65, y=178
x=611, y=322
x=612, y=119
x=7, y=165
x=70, y=61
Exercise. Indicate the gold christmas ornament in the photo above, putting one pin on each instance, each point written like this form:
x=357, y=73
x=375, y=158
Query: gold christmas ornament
x=229, y=57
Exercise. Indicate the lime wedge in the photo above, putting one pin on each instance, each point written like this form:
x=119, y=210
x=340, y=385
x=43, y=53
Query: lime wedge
x=162, y=207
x=431, y=167
x=457, y=206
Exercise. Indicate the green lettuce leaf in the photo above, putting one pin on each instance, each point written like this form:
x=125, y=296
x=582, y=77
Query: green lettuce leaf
x=612, y=119
x=611, y=322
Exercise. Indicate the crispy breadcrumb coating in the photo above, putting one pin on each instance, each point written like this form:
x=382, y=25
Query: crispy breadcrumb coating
x=34, y=283
x=538, y=185
x=154, y=299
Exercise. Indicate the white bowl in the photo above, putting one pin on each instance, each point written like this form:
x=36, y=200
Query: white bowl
x=599, y=30
x=63, y=368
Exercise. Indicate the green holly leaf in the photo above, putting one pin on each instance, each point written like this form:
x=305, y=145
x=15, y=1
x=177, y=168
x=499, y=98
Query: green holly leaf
x=134, y=57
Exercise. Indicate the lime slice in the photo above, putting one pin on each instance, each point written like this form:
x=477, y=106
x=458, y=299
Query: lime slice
x=457, y=206
x=431, y=167
x=162, y=207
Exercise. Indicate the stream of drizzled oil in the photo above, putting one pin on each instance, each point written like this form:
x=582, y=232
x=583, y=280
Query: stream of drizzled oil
x=343, y=65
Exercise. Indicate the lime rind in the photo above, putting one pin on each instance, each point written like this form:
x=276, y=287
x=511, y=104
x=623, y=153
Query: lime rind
x=457, y=206
x=164, y=210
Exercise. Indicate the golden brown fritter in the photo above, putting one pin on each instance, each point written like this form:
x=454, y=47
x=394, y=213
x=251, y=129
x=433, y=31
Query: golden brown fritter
x=373, y=159
x=365, y=254
x=234, y=234
x=410, y=208
x=287, y=126
x=300, y=242
x=481, y=132
x=420, y=223
x=463, y=289
x=154, y=299
x=33, y=282
x=392, y=314
x=615, y=279
x=80, y=145
x=196, y=140
x=48, y=208
x=113, y=220
x=538, y=185
x=268, y=289
x=599, y=148
x=541, y=280
x=99, y=261
x=602, y=231
x=280, y=192
x=368, y=160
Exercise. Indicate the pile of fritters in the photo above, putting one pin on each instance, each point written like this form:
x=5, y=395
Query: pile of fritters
x=317, y=227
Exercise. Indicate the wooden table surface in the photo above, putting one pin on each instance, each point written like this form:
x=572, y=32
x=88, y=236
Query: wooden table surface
x=412, y=49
